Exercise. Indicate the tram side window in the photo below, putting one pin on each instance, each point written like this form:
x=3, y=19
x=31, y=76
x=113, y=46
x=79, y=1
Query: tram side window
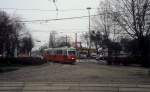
x=50, y=52
x=59, y=52
x=54, y=52
x=64, y=52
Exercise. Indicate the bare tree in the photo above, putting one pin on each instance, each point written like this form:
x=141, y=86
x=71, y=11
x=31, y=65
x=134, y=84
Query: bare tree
x=63, y=41
x=9, y=30
x=85, y=39
x=41, y=49
x=26, y=45
x=104, y=26
x=52, y=40
x=133, y=17
x=103, y=22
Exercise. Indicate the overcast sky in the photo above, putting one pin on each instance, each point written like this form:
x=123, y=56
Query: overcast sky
x=66, y=8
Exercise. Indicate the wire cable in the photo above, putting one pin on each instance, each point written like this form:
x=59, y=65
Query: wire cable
x=47, y=20
x=44, y=10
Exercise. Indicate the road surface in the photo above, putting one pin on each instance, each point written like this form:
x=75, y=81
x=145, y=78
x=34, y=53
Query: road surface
x=84, y=76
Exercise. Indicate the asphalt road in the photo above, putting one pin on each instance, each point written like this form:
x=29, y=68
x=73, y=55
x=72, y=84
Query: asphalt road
x=83, y=71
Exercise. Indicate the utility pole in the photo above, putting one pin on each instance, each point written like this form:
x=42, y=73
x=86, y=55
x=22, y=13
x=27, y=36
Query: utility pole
x=89, y=8
x=49, y=40
x=66, y=41
x=76, y=40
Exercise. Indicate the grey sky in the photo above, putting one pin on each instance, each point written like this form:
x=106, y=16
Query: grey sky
x=67, y=8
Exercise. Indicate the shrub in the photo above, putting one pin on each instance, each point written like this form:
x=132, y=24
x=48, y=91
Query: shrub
x=22, y=60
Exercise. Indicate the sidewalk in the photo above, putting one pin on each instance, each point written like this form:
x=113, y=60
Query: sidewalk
x=71, y=87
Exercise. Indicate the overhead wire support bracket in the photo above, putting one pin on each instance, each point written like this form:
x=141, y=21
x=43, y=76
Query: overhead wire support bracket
x=54, y=1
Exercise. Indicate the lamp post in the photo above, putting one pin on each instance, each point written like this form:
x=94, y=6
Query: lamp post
x=76, y=40
x=89, y=8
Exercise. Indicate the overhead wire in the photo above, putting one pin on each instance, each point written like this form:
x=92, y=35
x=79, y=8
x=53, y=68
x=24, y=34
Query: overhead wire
x=47, y=20
x=44, y=10
x=45, y=31
x=58, y=31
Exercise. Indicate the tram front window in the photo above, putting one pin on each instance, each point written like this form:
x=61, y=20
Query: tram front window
x=71, y=53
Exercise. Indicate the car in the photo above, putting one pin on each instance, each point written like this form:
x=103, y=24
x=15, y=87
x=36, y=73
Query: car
x=83, y=56
x=93, y=55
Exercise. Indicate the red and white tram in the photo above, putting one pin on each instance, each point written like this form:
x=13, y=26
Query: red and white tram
x=63, y=55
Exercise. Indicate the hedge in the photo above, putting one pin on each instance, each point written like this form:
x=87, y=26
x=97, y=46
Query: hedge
x=22, y=60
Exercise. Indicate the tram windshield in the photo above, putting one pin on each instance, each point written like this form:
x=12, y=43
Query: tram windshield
x=71, y=52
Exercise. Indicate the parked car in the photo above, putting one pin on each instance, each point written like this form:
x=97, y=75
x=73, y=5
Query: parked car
x=83, y=56
x=93, y=55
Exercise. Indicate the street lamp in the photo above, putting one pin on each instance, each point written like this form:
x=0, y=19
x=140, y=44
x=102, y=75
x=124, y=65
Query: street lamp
x=89, y=8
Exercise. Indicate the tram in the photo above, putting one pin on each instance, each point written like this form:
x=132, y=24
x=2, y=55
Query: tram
x=62, y=55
